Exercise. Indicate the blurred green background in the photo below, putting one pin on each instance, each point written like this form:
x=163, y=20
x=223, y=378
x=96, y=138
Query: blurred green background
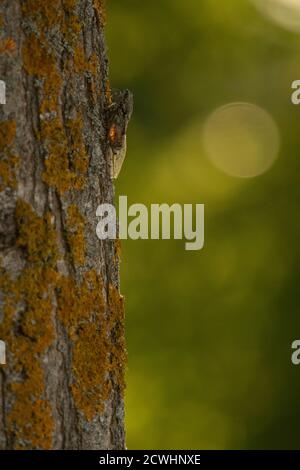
x=209, y=332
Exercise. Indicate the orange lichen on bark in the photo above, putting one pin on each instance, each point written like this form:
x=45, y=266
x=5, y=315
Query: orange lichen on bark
x=28, y=328
x=7, y=134
x=82, y=64
x=97, y=332
x=93, y=64
x=71, y=25
x=58, y=166
x=45, y=14
x=66, y=159
x=79, y=59
x=36, y=235
x=95, y=327
x=8, y=166
x=99, y=6
x=57, y=172
x=7, y=46
x=64, y=152
x=8, y=160
x=91, y=387
x=39, y=62
x=30, y=419
x=69, y=5
x=82, y=310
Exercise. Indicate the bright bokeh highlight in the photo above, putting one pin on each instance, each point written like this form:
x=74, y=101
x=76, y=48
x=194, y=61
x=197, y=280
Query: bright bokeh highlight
x=241, y=139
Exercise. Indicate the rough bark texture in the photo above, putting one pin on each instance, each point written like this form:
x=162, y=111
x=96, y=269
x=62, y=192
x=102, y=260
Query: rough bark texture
x=61, y=314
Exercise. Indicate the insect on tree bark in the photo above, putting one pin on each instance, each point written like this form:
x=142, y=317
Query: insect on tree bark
x=61, y=312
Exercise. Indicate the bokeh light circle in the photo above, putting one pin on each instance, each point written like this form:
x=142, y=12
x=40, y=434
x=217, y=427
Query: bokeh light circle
x=241, y=139
x=285, y=13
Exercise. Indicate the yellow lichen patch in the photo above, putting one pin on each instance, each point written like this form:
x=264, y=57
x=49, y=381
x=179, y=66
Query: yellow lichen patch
x=99, y=6
x=71, y=25
x=36, y=58
x=91, y=387
x=30, y=419
x=37, y=415
x=57, y=173
x=79, y=59
x=62, y=154
x=7, y=134
x=39, y=62
x=69, y=5
x=45, y=14
x=82, y=311
x=75, y=234
x=36, y=235
x=8, y=160
x=77, y=303
x=66, y=162
x=82, y=64
x=8, y=166
x=95, y=327
x=28, y=328
x=93, y=63
x=9, y=305
x=51, y=92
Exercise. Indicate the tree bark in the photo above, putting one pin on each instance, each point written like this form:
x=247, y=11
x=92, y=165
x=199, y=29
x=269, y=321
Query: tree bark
x=61, y=313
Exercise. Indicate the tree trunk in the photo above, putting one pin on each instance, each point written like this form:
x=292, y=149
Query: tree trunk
x=61, y=314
